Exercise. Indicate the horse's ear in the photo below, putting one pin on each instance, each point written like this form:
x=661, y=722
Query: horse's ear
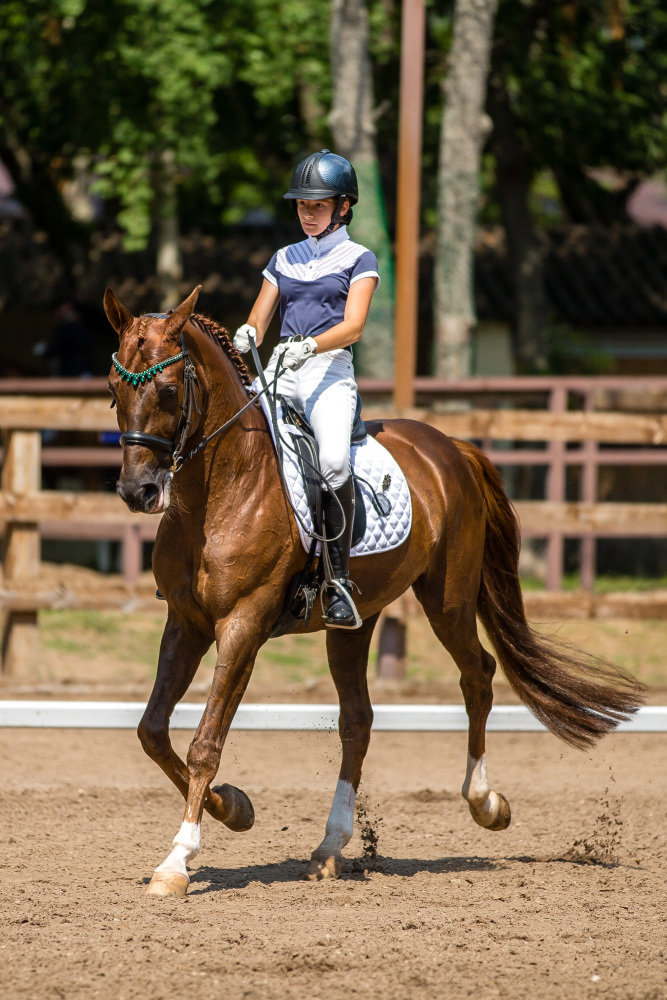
x=181, y=314
x=119, y=317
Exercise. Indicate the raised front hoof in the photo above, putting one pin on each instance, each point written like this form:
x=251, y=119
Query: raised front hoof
x=500, y=819
x=168, y=884
x=323, y=866
x=235, y=810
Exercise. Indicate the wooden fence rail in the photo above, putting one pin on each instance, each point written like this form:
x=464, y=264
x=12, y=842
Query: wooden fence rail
x=29, y=512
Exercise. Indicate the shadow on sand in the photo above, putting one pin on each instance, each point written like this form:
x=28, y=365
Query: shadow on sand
x=208, y=879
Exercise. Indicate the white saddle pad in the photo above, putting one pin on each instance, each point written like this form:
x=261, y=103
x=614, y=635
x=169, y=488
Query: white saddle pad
x=370, y=461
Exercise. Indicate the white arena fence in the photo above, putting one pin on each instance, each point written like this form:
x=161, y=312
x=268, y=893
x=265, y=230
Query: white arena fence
x=387, y=718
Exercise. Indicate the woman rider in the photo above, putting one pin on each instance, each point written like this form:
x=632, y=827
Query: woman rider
x=324, y=285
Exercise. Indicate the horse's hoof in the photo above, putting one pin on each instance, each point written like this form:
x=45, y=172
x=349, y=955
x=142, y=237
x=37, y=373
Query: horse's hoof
x=504, y=817
x=500, y=821
x=236, y=811
x=168, y=884
x=323, y=866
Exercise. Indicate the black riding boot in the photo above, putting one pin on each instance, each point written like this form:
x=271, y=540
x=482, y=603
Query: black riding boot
x=339, y=610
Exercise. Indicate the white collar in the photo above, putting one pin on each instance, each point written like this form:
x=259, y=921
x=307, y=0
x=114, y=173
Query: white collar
x=318, y=247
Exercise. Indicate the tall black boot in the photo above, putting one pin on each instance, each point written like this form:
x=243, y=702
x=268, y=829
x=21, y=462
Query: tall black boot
x=339, y=610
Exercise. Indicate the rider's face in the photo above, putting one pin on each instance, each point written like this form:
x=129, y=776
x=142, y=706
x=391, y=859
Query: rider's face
x=315, y=216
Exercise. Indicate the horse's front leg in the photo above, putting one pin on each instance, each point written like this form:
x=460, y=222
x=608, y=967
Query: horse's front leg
x=348, y=662
x=181, y=650
x=238, y=643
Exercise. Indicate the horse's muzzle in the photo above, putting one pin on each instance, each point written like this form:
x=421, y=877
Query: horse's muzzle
x=145, y=496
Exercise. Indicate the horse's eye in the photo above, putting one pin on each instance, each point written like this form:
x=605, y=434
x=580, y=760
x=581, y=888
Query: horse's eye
x=168, y=396
x=110, y=389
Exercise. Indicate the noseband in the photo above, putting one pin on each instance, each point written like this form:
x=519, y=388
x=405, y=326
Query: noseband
x=190, y=404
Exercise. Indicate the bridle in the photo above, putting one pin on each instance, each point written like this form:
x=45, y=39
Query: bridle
x=190, y=404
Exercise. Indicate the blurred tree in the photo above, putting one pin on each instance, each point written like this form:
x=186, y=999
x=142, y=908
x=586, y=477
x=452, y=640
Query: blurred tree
x=171, y=104
x=577, y=89
x=463, y=131
x=193, y=112
x=33, y=129
x=352, y=122
x=127, y=86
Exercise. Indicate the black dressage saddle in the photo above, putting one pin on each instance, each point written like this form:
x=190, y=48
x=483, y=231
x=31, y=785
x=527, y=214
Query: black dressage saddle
x=307, y=455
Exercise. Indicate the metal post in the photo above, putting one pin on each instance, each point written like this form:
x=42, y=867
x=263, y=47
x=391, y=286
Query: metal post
x=408, y=200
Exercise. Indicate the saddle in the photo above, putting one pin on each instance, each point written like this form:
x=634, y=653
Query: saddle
x=308, y=460
x=305, y=586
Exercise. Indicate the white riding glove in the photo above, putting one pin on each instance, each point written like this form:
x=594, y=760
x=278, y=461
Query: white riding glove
x=297, y=353
x=243, y=336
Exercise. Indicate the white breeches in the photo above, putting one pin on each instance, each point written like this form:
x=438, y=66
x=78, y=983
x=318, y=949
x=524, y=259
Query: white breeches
x=325, y=391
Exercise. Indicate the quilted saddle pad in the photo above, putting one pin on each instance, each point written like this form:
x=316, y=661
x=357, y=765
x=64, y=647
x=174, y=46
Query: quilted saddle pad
x=374, y=465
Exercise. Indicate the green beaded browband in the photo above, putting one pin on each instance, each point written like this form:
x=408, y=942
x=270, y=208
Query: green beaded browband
x=140, y=378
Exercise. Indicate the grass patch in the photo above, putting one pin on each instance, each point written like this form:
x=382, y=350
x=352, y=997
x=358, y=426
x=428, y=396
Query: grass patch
x=603, y=584
x=114, y=647
x=133, y=639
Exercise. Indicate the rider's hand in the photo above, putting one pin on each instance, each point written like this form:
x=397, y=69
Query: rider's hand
x=243, y=336
x=297, y=353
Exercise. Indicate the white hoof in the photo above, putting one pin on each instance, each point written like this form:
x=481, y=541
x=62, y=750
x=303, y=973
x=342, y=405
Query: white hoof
x=168, y=884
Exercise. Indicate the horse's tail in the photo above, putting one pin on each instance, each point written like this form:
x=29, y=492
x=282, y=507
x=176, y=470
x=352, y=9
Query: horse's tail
x=577, y=696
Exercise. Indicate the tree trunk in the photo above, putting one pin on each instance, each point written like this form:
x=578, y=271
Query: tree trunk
x=513, y=180
x=169, y=261
x=463, y=130
x=36, y=190
x=353, y=127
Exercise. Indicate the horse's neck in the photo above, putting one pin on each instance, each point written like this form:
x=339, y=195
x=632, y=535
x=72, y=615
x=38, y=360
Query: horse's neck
x=247, y=441
x=226, y=392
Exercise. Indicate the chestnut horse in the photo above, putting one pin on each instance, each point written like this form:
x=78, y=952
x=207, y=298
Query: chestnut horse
x=228, y=547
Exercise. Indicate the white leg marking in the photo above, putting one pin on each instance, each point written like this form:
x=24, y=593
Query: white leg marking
x=476, y=789
x=340, y=824
x=185, y=846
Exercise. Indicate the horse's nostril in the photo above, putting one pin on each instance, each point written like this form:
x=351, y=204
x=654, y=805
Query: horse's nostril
x=147, y=495
x=139, y=498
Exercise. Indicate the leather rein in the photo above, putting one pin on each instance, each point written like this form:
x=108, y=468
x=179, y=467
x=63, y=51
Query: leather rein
x=190, y=404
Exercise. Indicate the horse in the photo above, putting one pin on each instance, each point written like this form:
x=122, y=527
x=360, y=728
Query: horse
x=197, y=448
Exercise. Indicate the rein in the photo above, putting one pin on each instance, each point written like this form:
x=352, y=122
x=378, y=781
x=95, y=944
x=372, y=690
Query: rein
x=191, y=403
x=280, y=442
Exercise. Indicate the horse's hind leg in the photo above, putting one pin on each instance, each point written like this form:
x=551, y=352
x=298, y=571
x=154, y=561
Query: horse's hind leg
x=457, y=631
x=348, y=660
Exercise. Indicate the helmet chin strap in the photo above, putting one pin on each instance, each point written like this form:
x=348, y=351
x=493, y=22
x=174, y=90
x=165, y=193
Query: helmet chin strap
x=336, y=218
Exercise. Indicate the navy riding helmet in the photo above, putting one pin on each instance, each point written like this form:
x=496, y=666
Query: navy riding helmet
x=325, y=175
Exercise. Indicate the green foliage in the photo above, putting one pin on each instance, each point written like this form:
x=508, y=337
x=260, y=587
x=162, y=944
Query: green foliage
x=236, y=91
x=571, y=352
x=216, y=85
x=587, y=83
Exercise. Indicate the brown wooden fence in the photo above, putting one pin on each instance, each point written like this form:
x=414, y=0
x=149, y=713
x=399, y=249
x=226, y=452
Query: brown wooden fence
x=519, y=422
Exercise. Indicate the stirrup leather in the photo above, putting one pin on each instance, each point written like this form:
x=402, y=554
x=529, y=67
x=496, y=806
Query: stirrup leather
x=341, y=589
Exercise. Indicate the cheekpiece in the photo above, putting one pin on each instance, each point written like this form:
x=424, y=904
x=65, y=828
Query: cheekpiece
x=140, y=378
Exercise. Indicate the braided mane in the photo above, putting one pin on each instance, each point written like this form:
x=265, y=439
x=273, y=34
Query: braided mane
x=220, y=335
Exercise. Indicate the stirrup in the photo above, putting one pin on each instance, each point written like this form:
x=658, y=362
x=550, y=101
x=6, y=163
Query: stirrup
x=341, y=590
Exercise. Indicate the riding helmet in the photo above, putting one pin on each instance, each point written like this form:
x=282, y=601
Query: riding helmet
x=324, y=175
